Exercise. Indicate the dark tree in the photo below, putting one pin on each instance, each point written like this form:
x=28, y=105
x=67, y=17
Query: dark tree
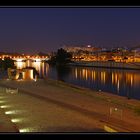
x=7, y=63
x=63, y=57
x=52, y=61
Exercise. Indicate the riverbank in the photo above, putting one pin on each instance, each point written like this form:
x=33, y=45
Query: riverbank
x=95, y=106
x=101, y=95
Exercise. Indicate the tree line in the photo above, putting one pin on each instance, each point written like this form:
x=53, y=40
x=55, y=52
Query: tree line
x=62, y=57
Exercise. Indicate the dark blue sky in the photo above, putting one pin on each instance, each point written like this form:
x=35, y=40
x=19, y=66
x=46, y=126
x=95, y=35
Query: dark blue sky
x=30, y=30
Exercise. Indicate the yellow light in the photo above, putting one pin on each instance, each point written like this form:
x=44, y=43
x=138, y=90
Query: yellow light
x=5, y=106
x=20, y=64
x=16, y=120
x=112, y=78
x=94, y=75
x=19, y=60
x=12, y=112
x=118, y=85
x=86, y=74
x=131, y=80
x=38, y=60
x=2, y=101
x=37, y=65
x=31, y=74
x=101, y=76
x=109, y=129
x=28, y=63
x=76, y=73
x=25, y=130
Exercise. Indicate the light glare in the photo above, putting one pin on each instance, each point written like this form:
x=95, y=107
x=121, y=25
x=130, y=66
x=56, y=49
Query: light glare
x=25, y=130
x=2, y=101
x=5, y=106
x=12, y=112
x=16, y=120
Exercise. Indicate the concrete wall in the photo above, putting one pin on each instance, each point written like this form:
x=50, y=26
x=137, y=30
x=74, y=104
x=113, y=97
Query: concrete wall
x=109, y=64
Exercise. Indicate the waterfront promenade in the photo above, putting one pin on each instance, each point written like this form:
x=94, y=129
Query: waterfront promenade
x=53, y=106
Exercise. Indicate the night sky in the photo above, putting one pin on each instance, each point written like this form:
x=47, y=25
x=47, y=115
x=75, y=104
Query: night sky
x=31, y=30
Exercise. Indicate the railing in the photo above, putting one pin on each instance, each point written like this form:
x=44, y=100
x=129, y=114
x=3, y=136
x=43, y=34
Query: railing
x=116, y=123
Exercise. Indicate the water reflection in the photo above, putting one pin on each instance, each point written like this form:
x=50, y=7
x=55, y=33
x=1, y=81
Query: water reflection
x=20, y=65
x=62, y=72
x=122, y=82
x=41, y=67
x=117, y=81
x=116, y=76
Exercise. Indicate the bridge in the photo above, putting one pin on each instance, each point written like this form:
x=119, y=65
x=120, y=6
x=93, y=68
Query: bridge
x=23, y=59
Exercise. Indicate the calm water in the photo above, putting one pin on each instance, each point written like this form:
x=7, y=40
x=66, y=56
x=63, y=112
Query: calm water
x=120, y=82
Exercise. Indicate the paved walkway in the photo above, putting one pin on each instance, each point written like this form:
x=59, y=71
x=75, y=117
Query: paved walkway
x=27, y=113
x=5, y=122
x=46, y=106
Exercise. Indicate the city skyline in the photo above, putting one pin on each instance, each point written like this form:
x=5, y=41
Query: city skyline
x=32, y=30
x=69, y=69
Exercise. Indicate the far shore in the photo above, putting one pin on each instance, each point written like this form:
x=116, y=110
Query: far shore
x=108, y=64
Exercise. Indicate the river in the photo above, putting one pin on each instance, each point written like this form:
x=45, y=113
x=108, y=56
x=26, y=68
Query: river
x=115, y=81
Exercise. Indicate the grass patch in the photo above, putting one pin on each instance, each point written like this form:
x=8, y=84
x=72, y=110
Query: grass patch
x=137, y=110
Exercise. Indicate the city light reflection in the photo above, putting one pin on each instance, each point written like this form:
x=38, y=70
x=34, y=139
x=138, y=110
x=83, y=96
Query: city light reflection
x=41, y=67
x=20, y=65
x=76, y=73
x=117, y=77
x=37, y=66
x=118, y=86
